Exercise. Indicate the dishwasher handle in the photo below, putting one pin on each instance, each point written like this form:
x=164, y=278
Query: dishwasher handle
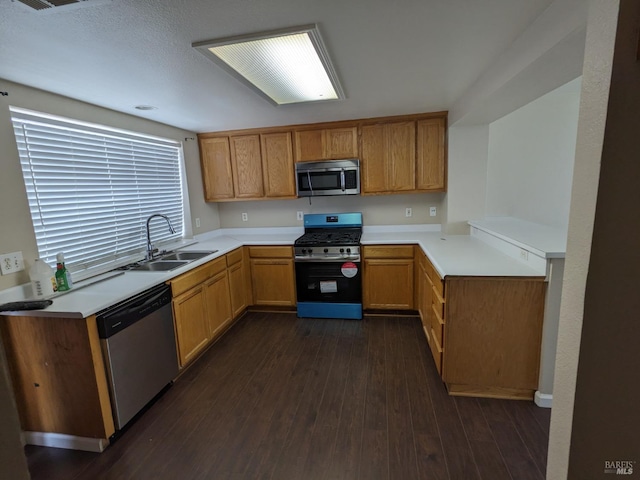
x=118, y=317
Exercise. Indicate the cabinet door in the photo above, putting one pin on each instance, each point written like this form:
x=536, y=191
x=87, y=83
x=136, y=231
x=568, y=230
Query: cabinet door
x=401, y=151
x=373, y=156
x=430, y=154
x=388, y=284
x=277, y=164
x=218, y=302
x=216, y=168
x=326, y=144
x=237, y=288
x=273, y=282
x=192, y=327
x=247, y=166
x=341, y=143
x=309, y=145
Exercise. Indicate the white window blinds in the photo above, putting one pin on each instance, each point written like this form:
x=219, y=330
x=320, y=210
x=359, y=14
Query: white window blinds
x=91, y=188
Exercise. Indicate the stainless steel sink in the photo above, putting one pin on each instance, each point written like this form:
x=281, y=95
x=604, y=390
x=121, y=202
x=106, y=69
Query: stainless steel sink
x=160, y=265
x=191, y=256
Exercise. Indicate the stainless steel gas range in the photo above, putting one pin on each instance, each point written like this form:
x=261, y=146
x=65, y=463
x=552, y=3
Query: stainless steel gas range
x=327, y=261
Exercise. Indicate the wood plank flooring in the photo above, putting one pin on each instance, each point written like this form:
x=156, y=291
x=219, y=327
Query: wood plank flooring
x=285, y=398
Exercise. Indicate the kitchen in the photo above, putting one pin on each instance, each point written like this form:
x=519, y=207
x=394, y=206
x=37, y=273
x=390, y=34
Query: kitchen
x=464, y=200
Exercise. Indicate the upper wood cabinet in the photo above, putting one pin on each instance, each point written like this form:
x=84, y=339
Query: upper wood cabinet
x=246, y=162
x=388, y=157
x=216, y=169
x=404, y=156
x=430, y=164
x=326, y=144
x=401, y=154
x=277, y=164
x=247, y=167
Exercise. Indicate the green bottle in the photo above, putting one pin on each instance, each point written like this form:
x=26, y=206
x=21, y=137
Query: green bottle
x=63, y=277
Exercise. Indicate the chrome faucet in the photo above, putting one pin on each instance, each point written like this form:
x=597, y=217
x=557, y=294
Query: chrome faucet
x=150, y=248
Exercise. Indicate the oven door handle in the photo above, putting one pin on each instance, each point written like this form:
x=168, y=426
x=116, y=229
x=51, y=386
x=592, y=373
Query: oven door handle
x=342, y=179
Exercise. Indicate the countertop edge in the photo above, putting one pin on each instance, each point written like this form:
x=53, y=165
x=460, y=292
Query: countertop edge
x=131, y=283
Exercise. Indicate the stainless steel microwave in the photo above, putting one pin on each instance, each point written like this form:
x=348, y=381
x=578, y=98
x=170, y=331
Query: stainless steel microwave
x=331, y=177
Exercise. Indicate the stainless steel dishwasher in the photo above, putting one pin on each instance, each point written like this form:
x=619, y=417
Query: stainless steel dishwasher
x=139, y=348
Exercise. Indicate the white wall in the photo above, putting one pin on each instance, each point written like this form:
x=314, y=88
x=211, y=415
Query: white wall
x=596, y=79
x=15, y=218
x=530, y=161
x=376, y=210
x=467, y=173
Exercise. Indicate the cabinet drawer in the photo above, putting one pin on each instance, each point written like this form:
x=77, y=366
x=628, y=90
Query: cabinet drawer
x=434, y=276
x=270, y=252
x=196, y=276
x=234, y=257
x=388, y=251
x=436, y=351
x=438, y=302
x=437, y=324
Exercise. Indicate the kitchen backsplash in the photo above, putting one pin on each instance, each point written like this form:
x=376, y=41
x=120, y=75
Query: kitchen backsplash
x=376, y=210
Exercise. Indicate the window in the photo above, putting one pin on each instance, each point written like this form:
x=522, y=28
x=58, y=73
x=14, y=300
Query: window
x=91, y=188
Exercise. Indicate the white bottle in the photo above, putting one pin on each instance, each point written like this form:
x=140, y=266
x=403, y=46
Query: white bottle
x=43, y=280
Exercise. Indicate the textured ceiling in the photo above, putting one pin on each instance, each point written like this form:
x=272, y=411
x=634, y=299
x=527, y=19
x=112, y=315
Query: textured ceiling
x=393, y=57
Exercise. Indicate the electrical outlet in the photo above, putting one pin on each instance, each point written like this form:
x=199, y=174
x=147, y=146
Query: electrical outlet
x=300, y=215
x=524, y=254
x=11, y=263
x=432, y=211
x=197, y=223
x=245, y=217
x=408, y=212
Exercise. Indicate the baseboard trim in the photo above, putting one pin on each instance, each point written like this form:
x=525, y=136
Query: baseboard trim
x=464, y=390
x=543, y=400
x=61, y=440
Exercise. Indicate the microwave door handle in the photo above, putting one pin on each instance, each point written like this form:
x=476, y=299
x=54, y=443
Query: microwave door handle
x=342, y=179
x=309, y=179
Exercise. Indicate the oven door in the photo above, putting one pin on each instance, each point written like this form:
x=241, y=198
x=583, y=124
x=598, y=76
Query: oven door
x=329, y=289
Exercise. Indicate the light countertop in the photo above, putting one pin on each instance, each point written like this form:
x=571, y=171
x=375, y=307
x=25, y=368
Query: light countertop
x=458, y=255
x=543, y=240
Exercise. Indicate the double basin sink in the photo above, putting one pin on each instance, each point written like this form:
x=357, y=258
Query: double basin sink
x=170, y=261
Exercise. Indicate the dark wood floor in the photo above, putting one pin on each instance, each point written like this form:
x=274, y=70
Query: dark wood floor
x=285, y=398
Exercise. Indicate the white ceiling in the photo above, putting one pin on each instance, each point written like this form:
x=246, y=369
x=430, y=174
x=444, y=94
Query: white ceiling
x=393, y=57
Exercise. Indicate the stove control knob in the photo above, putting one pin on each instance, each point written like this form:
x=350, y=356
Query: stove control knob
x=310, y=251
x=304, y=250
x=342, y=250
x=348, y=250
x=326, y=250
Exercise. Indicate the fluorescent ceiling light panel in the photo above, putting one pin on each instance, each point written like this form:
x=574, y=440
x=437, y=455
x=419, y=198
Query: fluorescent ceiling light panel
x=285, y=66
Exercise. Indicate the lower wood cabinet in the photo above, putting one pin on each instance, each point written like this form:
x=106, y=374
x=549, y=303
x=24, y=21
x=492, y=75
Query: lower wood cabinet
x=272, y=276
x=192, y=326
x=237, y=269
x=59, y=377
x=218, y=302
x=492, y=335
x=388, y=281
x=205, y=301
